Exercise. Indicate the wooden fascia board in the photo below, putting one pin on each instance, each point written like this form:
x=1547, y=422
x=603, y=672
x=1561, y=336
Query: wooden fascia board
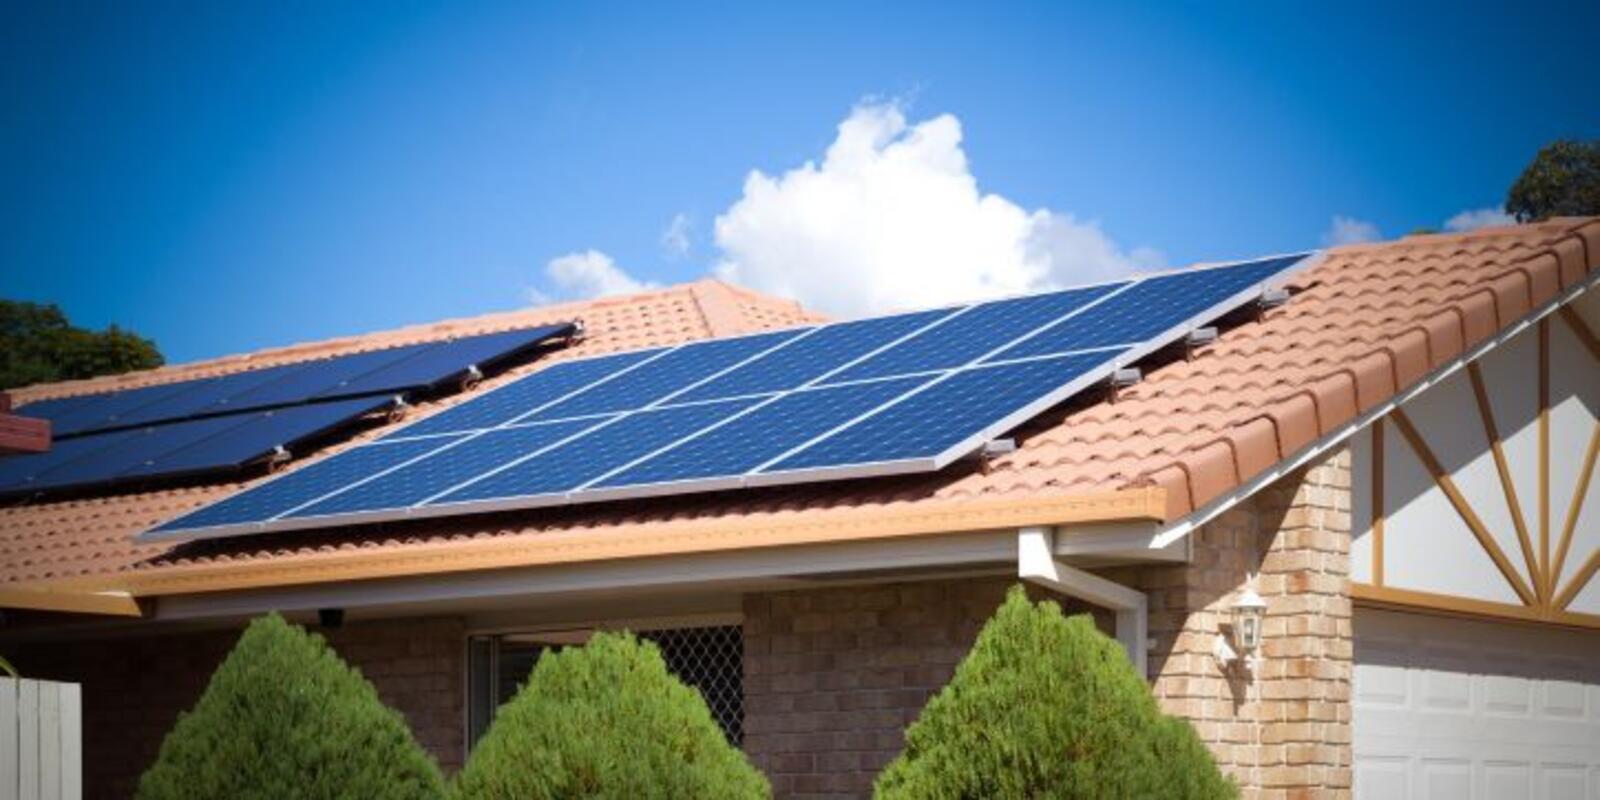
x=640, y=540
x=34, y=598
x=1410, y=599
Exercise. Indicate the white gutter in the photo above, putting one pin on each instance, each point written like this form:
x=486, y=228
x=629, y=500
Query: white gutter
x=1037, y=563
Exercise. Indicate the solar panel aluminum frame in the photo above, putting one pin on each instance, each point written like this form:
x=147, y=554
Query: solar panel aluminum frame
x=754, y=479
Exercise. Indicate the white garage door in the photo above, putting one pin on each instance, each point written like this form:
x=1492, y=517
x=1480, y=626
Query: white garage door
x=1449, y=708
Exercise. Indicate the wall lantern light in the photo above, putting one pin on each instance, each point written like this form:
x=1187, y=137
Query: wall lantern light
x=1248, y=612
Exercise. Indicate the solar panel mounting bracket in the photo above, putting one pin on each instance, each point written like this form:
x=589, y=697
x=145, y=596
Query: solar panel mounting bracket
x=279, y=456
x=1197, y=339
x=993, y=449
x=1122, y=378
x=397, y=410
x=1273, y=297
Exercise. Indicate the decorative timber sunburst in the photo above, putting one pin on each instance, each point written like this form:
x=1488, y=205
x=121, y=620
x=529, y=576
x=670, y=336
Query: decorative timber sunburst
x=1479, y=495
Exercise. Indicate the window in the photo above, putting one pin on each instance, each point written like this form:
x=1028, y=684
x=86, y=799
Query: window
x=710, y=659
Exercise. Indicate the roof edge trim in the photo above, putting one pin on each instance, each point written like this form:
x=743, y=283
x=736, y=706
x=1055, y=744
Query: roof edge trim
x=40, y=597
x=639, y=540
x=1182, y=517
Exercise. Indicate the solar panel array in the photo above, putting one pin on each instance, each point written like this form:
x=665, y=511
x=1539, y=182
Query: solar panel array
x=889, y=395
x=196, y=427
x=393, y=370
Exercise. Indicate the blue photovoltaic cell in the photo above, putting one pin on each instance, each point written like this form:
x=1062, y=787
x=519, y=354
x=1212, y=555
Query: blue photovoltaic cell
x=445, y=360
x=764, y=434
x=206, y=397
x=663, y=376
x=968, y=336
x=175, y=448
x=59, y=409
x=811, y=357
x=421, y=366
x=324, y=377
x=600, y=451
x=17, y=472
x=930, y=422
x=139, y=447
x=445, y=469
x=256, y=439
x=108, y=413
x=269, y=499
x=1151, y=307
x=514, y=399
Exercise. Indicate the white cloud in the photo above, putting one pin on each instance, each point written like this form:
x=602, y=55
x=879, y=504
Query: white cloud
x=893, y=218
x=1476, y=218
x=677, y=238
x=1349, y=230
x=590, y=273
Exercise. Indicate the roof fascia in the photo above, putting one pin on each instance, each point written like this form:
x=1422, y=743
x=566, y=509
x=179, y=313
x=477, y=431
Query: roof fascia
x=636, y=541
x=115, y=604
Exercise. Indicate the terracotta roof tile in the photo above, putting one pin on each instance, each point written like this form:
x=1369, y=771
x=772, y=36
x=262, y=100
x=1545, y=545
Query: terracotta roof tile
x=1367, y=318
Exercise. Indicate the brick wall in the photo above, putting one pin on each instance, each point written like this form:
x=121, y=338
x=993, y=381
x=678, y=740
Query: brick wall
x=1288, y=733
x=834, y=676
x=133, y=688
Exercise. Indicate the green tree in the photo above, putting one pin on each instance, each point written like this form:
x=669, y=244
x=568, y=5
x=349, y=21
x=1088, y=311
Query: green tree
x=284, y=717
x=606, y=720
x=1048, y=707
x=38, y=345
x=1563, y=180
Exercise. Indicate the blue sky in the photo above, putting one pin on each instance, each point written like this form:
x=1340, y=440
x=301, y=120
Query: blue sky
x=229, y=176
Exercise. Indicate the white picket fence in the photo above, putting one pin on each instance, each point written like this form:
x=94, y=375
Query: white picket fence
x=41, y=742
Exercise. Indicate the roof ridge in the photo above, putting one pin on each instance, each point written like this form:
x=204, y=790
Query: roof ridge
x=717, y=306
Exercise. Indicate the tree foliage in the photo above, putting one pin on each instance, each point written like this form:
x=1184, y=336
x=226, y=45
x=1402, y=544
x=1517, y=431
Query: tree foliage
x=1563, y=180
x=1048, y=707
x=284, y=717
x=606, y=720
x=38, y=345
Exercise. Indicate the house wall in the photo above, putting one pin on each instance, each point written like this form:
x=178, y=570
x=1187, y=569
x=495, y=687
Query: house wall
x=833, y=677
x=134, y=688
x=1287, y=733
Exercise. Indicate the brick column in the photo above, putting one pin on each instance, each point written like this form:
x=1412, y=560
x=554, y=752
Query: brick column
x=1287, y=734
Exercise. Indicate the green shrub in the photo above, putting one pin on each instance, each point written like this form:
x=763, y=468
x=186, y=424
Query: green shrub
x=606, y=720
x=284, y=717
x=1046, y=706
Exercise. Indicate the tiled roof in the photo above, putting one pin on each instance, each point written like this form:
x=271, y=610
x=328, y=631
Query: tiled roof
x=85, y=536
x=1363, y=324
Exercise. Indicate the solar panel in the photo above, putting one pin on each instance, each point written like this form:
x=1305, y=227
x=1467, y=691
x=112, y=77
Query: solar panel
x=662, y=376
x=890, y=395
x=393, y=370
x=513, y=401
x=265, y=432
x=461, y=462
x=178, y=448
x=317, y=478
